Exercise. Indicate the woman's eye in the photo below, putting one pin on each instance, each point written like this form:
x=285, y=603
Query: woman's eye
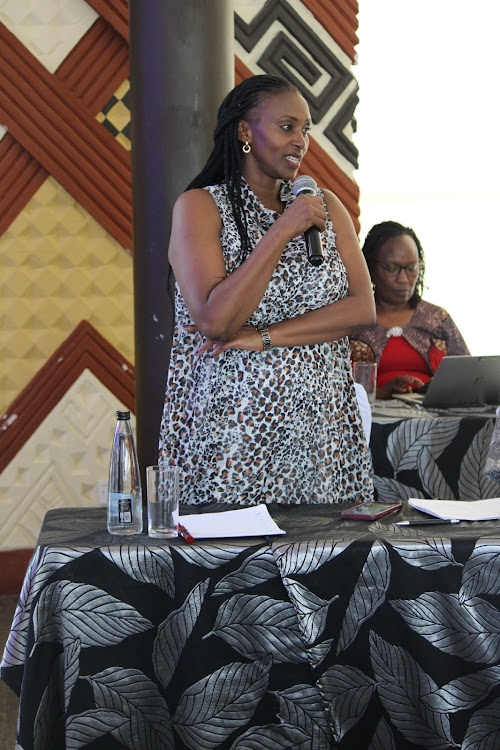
x=289, y=127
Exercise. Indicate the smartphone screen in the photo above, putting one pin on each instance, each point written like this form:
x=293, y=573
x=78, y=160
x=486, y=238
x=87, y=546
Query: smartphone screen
x=370, y=511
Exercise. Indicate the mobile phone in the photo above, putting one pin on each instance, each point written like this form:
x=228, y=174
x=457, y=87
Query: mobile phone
x=370, y=511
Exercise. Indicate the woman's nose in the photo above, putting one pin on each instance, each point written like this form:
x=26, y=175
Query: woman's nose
x=300, y=139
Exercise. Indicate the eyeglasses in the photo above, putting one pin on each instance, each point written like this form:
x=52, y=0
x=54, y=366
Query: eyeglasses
x=394, y=269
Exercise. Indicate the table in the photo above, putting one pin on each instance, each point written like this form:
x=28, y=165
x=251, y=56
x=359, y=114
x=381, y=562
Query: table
x=434, y=454
x=341, y=634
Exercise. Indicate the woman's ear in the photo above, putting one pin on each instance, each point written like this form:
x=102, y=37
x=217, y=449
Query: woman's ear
x=243, y=131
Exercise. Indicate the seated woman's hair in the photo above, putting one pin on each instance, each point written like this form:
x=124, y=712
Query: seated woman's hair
x=225, y=161
x=384, y=231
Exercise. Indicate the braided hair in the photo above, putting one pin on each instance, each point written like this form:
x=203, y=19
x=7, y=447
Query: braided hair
x=384, y=231
x=225, y=161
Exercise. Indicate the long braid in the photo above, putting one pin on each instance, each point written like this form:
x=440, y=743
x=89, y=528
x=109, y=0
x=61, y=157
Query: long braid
x=384, y=231
x=224, y=165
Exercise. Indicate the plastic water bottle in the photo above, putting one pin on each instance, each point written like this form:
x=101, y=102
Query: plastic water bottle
x=492, y=465
x=124, y=488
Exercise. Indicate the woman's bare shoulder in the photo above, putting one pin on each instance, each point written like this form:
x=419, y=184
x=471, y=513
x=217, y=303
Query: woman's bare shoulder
x=338, y=213
x=196, y=198
x=196, y=211
x=196, y=225
x=333, y=202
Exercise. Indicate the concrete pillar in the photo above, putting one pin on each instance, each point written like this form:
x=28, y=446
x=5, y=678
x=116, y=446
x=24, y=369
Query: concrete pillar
x=181, y=67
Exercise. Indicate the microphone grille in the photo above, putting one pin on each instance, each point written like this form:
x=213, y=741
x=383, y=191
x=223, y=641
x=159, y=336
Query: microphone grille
x=304, y=184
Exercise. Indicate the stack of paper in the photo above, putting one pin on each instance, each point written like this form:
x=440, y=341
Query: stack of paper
x=252, y=521
x=464, y=510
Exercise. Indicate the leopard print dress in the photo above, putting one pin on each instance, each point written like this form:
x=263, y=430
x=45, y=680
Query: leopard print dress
x=278, y=426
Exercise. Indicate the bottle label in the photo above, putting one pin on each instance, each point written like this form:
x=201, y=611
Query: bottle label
x=124, y=503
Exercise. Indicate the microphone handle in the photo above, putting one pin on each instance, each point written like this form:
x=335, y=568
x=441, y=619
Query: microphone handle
x=314, y=246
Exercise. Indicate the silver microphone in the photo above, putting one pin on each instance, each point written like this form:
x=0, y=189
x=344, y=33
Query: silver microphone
x=305, y=184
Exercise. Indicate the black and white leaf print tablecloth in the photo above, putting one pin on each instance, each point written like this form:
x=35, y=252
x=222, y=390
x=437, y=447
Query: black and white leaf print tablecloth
x=341, y=634
x=433, y=455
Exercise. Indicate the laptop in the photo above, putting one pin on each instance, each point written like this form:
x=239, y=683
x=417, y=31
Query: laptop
x=460, y=381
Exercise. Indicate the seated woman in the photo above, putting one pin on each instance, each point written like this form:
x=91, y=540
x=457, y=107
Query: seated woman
x=411, y=336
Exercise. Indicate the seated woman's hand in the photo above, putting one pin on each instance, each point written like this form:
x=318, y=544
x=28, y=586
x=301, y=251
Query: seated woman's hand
x=400, y=384
x=248, y=338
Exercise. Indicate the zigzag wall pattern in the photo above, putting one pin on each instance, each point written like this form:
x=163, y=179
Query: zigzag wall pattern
x=313, y=65
x=57, y=151
x=340, y=19
x=54, y=126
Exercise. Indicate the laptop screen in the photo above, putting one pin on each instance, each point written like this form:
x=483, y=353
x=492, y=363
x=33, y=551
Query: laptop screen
x=464, y=381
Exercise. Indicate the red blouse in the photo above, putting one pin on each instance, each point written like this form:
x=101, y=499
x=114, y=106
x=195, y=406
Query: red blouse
x=400, y=358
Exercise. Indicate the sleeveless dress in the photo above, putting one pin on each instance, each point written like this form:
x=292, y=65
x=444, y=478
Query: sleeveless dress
x=278, y=426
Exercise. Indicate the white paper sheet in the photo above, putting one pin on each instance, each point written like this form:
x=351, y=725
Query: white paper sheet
x=465, y=510
x=252, y=521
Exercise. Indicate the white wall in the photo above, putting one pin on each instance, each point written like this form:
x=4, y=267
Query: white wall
x=429, y=142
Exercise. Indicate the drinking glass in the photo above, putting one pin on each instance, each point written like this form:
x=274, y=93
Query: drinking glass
x=365, y=373
x=163, y=501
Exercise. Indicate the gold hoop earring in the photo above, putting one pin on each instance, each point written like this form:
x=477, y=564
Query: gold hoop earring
x=246, y=148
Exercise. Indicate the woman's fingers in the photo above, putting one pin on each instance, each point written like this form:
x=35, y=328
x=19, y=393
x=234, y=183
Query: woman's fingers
x=304, y=212
x=406, y=384
x=400, y=384
x=248, y=338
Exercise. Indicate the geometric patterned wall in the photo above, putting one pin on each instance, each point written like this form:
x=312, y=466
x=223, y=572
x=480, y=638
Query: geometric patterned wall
x=58, y=265
x=286, y=38
x=66, y=282
x=56, y=437
x=53, y=469
x=312, y=43
x=65, y=200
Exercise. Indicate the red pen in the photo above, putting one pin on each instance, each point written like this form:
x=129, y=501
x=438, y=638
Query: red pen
x=185, y=534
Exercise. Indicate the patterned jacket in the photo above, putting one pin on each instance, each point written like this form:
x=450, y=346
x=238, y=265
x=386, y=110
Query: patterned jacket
x=431, y=332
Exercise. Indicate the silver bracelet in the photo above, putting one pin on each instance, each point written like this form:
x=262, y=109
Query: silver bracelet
x=266, y=339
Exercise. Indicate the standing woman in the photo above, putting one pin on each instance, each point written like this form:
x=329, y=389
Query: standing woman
x=411, y=336
x=260, y=404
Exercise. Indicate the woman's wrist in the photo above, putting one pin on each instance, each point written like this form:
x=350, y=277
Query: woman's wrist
x=266, y=338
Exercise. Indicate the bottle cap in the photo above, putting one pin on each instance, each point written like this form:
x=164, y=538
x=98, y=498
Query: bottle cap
x=123, y=415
